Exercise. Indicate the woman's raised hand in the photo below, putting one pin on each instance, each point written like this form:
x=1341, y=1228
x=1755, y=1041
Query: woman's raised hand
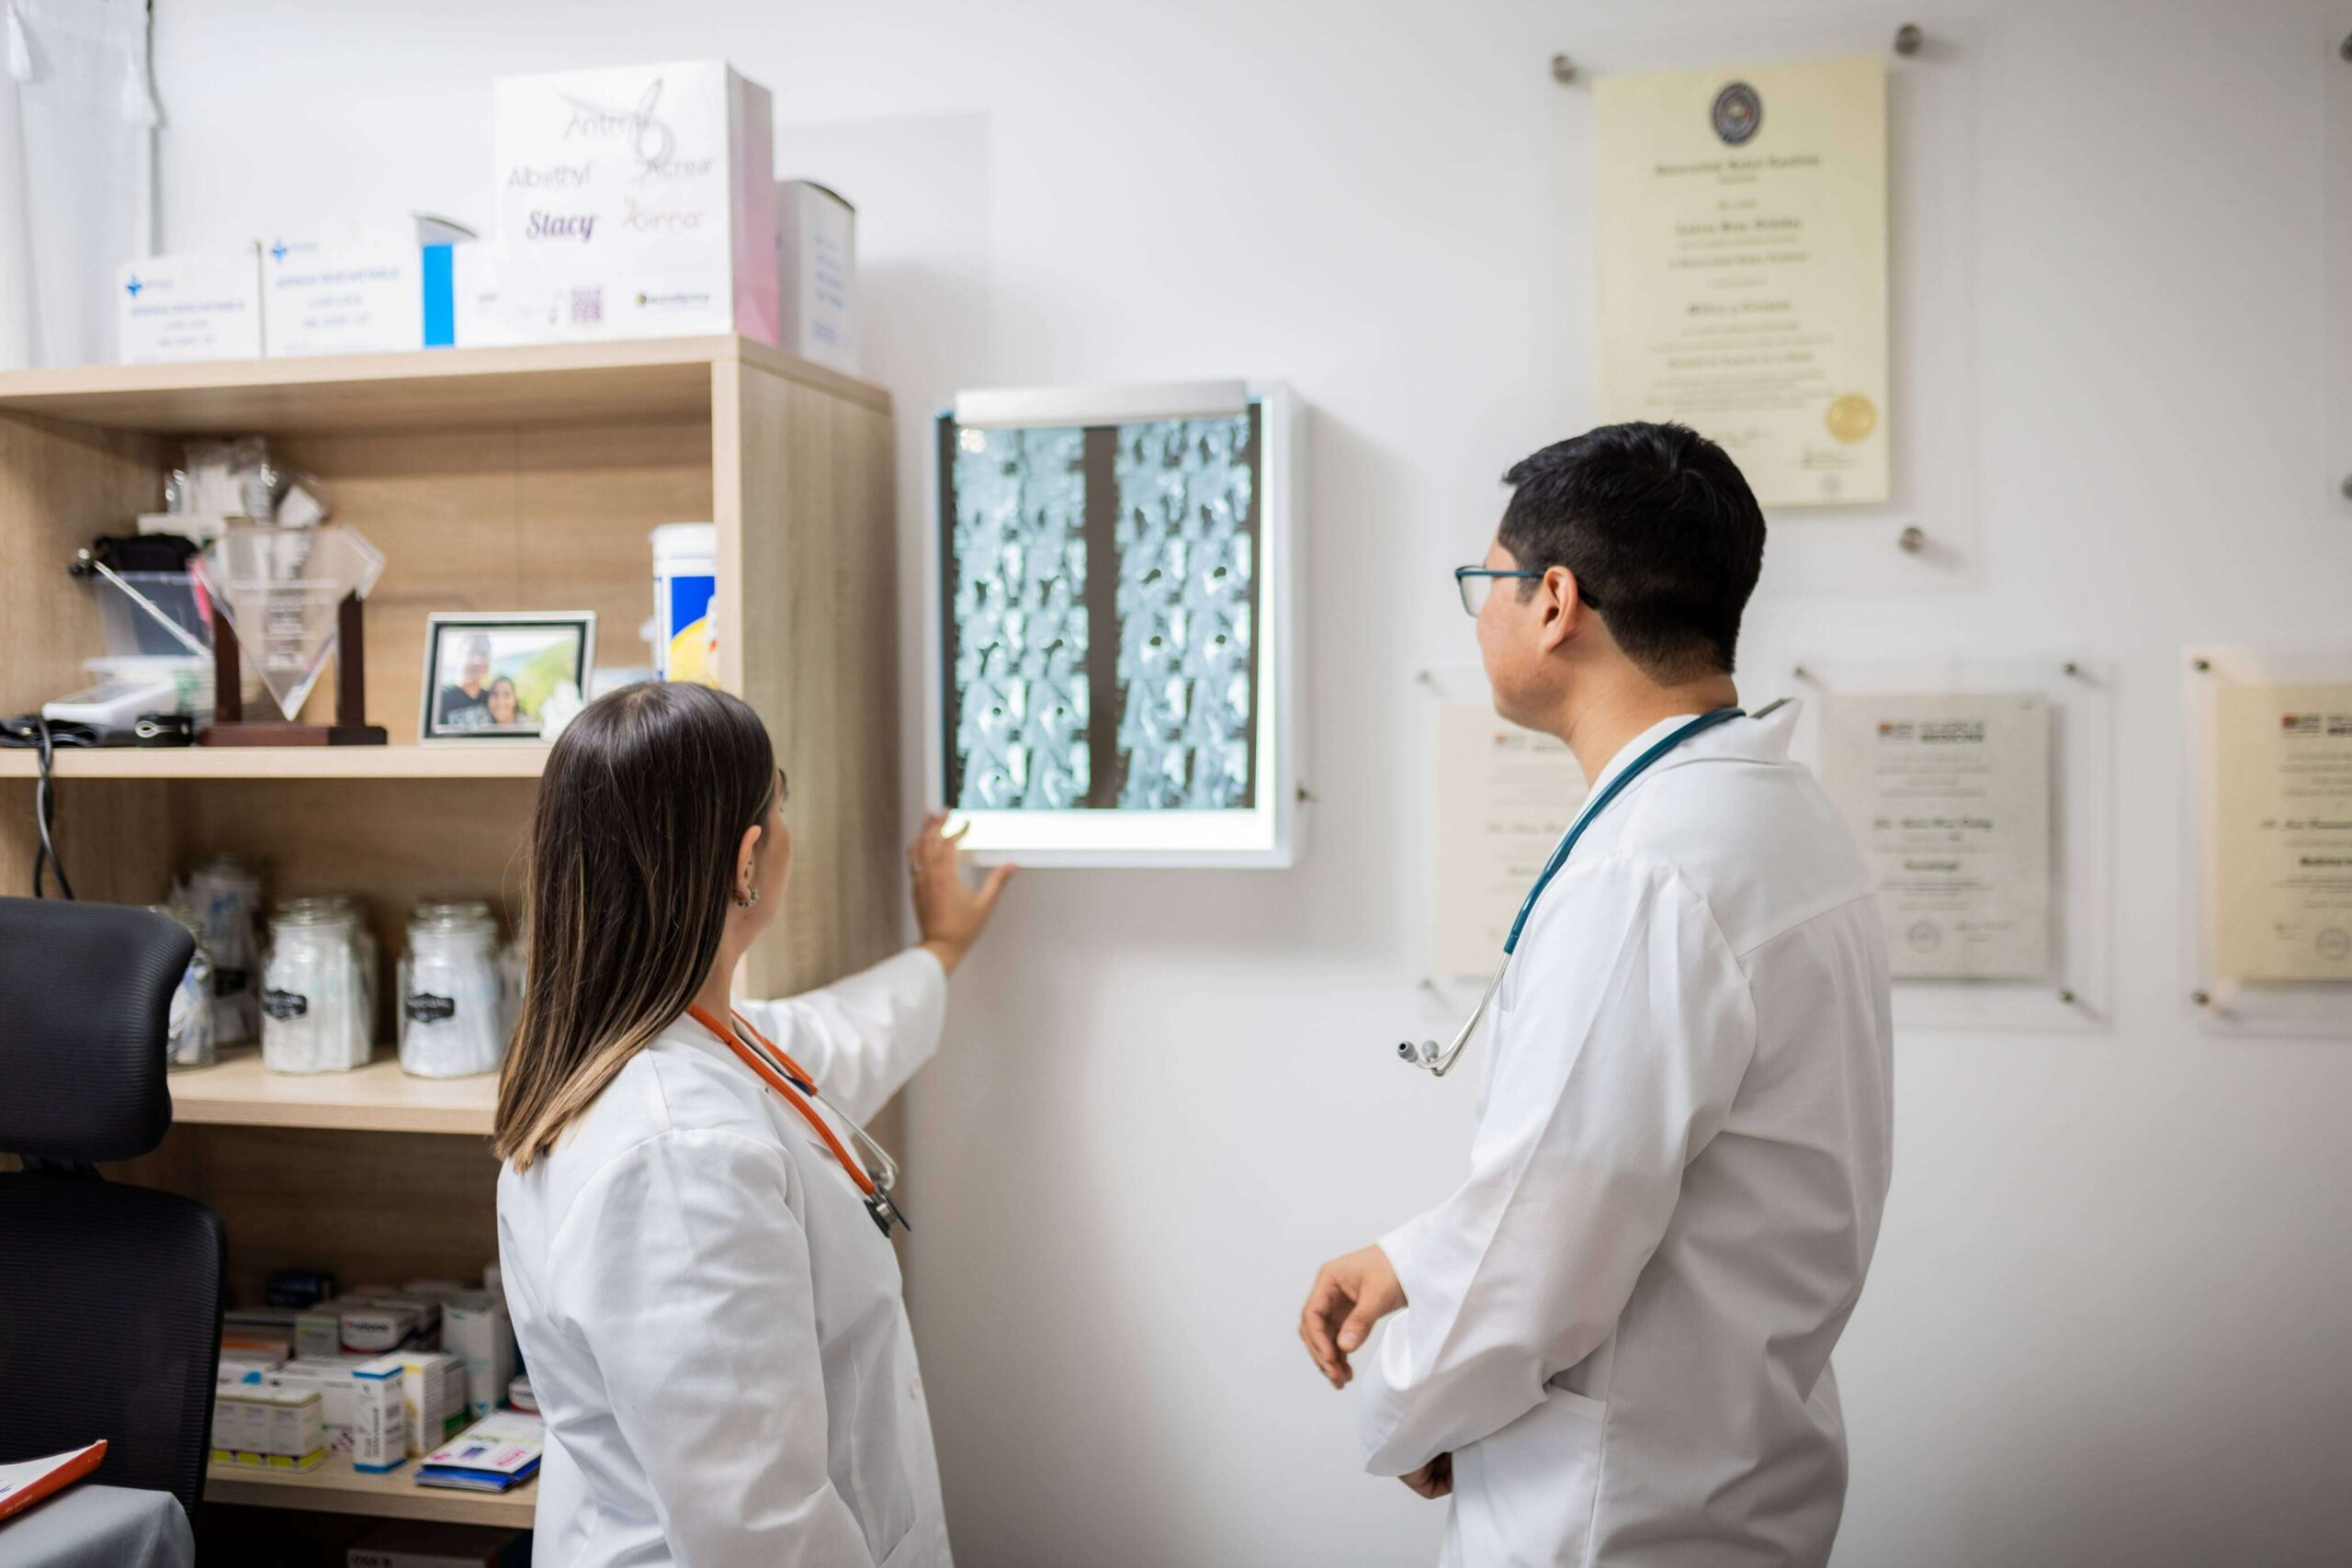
x=950, y=911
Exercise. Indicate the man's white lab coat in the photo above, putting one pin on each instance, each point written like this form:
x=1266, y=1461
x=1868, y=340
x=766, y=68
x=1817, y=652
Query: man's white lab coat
x=1620, y=1326
x=713, y=1325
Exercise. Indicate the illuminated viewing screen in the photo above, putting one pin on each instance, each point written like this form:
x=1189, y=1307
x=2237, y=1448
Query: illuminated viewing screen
x=1100, y=611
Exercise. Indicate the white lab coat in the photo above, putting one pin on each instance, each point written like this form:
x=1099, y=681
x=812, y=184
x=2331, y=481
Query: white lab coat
x=1620, y=1326
x=712, y=1324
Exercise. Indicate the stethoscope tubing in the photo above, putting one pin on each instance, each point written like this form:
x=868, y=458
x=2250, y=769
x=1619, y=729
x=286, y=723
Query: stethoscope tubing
x=1437, y=1063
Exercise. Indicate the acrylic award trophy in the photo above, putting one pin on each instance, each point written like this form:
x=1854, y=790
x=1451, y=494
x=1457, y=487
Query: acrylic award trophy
x=291, y=597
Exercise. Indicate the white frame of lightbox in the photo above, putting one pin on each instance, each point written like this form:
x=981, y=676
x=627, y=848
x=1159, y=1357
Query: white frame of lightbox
x=1265, y=836
x=2223, y=1006
x=2079, y=994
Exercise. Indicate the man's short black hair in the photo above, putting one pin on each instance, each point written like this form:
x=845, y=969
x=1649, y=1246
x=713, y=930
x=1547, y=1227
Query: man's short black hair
x=1660, y=530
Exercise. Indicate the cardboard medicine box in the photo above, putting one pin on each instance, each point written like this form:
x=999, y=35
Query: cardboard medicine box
x=817, y=274
x=196, y=304
x=638, y=201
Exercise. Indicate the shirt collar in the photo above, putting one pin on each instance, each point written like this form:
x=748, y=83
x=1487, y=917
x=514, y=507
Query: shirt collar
x=1764, y=740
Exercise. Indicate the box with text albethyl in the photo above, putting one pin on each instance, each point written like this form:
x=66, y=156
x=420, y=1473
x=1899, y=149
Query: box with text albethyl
x=636, y=202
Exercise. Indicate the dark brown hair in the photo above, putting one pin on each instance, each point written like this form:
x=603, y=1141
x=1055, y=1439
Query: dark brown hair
x=631, y=864
x=1663, y=534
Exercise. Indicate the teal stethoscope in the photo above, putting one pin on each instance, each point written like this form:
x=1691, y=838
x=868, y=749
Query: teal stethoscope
x=1426, y=1055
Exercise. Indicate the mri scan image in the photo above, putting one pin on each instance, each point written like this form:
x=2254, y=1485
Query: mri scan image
x=1100, y=613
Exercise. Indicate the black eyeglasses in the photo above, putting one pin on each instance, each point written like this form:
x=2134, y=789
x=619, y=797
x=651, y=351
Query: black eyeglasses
x=1475, y=582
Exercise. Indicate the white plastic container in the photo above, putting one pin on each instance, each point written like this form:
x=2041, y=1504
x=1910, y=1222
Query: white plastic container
x=685, y=621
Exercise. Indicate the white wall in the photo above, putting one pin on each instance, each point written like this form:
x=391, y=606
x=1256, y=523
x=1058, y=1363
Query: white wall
x=2108, y=1321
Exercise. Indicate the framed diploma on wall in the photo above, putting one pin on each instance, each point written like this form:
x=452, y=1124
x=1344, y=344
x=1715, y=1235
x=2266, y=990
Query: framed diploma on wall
x=1977, y=791
x=1768, y=231
x=1740, y=211
x=1500, y=798
x=2270, y=765
x=1115, y=589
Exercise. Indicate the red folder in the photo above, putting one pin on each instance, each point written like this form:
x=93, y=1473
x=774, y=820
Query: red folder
x=22, y=1485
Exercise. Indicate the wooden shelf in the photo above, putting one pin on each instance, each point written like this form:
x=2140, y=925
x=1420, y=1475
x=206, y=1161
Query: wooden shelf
x=335, y=1488
x=485, y=760
x=629, y=381
x=239, y=1092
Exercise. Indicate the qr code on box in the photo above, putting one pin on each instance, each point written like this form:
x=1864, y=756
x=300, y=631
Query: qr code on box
x=587, y=306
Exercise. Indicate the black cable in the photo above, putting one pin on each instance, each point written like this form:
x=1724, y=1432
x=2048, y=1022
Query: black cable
x=32, y=730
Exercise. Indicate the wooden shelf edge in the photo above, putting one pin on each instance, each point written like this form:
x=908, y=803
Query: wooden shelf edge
x=335, y=1488
x=54, y=392
x=454, y=762
x=237, y=1091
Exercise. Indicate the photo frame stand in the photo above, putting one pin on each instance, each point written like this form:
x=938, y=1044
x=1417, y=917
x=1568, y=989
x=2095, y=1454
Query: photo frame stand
x=230, y=726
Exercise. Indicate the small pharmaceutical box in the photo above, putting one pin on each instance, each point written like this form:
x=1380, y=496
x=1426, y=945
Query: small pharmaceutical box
x=364, y=291
x=474, y=1327
x=636, y=202
x=193, y=306
x=433, y=1397
x=380, y=1327
x=817, y=274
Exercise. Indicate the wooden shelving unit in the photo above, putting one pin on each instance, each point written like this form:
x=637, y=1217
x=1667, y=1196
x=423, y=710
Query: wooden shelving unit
x=378, y=1097
x=455, y=761
x=335, y=1488
x=493, y=479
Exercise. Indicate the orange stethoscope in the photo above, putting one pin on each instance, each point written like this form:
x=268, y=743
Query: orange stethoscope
x=791, y=1080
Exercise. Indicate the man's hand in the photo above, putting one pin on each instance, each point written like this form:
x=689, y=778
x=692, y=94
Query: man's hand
x=1435, y=1478
x=950, y=912
x=1350, y=1294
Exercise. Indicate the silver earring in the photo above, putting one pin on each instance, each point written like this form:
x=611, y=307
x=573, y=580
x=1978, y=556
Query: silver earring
x=745, y=900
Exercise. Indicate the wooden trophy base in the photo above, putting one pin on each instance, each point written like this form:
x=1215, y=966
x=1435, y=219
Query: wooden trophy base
x=263, y=733
x=230, y=728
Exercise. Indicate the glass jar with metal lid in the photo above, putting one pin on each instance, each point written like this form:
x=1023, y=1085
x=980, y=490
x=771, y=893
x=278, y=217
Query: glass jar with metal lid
x=188, y=1040
x=452, y=1008
x=313, y=991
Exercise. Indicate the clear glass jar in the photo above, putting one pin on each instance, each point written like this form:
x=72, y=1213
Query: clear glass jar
x=224, y=892
x=371, y=957
x=312, y=992
x=453, y=1004
x=188, y=1035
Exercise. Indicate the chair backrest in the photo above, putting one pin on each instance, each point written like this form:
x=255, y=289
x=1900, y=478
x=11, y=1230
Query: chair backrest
x=109, y=1294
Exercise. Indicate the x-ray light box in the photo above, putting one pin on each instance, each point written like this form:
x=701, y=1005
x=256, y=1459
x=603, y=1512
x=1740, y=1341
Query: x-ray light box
x=1115, y=589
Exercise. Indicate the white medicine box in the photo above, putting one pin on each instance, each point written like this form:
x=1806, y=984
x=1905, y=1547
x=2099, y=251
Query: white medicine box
x=381, y=289
x=817, y=273
x=194, y=306
x=636, y=202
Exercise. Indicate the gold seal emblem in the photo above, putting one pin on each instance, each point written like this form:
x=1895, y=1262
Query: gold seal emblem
x=1851, y=418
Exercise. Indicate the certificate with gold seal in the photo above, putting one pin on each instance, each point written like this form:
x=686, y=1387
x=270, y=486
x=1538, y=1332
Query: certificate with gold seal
x=1741, y=218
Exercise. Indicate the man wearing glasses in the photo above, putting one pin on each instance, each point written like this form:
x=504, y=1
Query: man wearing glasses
x=1611, y=1344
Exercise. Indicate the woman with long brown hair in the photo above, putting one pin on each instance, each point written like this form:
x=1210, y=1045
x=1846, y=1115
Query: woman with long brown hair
x=688, y=1214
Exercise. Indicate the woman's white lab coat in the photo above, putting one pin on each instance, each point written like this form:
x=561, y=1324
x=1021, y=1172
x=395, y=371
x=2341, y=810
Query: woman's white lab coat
x=712, y=1322
x=1620, y=1324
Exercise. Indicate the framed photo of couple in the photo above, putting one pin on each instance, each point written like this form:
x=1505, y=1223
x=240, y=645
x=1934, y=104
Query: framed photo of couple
x=513, y=676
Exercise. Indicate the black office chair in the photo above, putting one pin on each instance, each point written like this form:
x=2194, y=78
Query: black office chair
x=109, y=1294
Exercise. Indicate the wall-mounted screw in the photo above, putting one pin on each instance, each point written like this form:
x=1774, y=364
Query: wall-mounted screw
x=2066, y=996
x=1306, y=795
x=2201, y=998
x=2202, y=666
x=1802, y=674
x=1907, y=39
x=1563, y=70
x=1912, y=540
